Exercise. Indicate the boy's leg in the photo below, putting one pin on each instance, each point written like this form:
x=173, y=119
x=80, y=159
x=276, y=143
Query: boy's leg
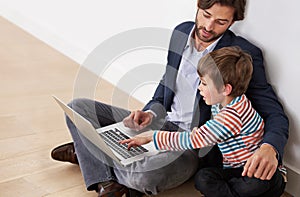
x=212, y=182
x=213, y=158
x=229, y=182
x=246, y=186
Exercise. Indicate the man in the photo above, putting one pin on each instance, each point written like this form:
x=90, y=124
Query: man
x=236, y=127
x=189, y=42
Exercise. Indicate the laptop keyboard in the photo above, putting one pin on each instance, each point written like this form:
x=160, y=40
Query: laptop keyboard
x=112, y=138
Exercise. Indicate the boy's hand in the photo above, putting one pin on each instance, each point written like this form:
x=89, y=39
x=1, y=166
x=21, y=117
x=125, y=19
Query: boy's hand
x=138, y=140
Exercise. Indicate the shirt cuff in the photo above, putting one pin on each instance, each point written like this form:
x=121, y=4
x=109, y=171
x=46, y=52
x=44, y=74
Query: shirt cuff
x=152, y=112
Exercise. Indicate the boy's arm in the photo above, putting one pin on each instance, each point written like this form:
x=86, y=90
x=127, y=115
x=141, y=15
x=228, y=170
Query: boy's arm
x=212, y=132
x=208, y=134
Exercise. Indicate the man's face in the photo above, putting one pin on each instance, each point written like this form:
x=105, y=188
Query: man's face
x=213, y=22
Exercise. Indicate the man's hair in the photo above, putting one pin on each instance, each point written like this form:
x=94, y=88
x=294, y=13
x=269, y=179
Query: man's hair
x=238, y=5
x=228, y=65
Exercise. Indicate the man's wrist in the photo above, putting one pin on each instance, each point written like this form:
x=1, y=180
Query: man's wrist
x=151, y=113
x=270, y=147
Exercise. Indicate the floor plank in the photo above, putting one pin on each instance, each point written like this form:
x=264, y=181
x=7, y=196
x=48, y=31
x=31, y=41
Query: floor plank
x=32, y=123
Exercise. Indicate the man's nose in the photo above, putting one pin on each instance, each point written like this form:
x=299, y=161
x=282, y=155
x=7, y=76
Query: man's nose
x=209, y=25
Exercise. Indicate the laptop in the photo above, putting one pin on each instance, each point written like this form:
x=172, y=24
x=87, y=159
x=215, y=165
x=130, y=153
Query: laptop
x=107, y=138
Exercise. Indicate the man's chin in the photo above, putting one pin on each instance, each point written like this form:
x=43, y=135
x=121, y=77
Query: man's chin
x=207, y=39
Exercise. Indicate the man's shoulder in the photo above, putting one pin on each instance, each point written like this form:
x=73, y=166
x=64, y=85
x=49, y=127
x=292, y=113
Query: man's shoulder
x=185, y=27
x=231, y=39
x=180, y=36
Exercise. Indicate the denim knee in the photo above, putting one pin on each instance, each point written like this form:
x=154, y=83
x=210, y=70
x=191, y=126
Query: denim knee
x=201, y=179
x=78, y=103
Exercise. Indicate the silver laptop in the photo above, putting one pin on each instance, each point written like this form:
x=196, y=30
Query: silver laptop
x=107, y=138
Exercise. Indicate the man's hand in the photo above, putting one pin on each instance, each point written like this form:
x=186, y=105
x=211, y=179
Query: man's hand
x=138, y=140
x=138, y=120
x=262, y=164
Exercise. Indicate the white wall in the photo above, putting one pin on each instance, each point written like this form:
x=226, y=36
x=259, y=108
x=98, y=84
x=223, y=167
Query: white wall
x=77, y=27
x=273, y=25
x=81, y=25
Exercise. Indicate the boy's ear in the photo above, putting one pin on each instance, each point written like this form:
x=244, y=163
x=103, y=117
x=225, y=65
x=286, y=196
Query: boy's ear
x=227, y=89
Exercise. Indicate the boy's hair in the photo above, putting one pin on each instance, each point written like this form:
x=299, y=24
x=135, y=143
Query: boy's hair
x=228, y=65
x=238, y=5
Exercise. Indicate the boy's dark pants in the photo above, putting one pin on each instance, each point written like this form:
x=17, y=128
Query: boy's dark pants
x=214, y=181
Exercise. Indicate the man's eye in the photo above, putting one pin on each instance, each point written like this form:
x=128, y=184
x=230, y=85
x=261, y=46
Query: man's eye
x=221, y=23
x=206, y=15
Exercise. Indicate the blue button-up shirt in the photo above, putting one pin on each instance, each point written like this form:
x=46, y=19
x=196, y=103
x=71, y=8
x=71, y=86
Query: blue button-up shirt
x=187, y=83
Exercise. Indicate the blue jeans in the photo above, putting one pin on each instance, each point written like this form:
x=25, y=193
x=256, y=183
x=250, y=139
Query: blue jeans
x=219, y=182
x=151, y=175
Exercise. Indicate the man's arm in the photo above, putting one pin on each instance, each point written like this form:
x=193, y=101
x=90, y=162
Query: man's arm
x=265, y=101
x=156, y=104
x=264, y=162
x=163, y=96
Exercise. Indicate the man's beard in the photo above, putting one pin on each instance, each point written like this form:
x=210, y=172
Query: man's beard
x=214, y=36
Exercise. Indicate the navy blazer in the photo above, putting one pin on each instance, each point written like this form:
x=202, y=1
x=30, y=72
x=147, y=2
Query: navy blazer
x=260, y=92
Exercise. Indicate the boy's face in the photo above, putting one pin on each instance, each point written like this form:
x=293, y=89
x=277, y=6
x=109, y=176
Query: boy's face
x=210, y=93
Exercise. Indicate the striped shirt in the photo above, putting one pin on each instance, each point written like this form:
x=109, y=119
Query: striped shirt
x=237, y=129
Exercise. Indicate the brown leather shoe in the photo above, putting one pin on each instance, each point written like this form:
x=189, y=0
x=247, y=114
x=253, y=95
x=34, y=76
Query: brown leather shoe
x=65, y=152
x=112, y=189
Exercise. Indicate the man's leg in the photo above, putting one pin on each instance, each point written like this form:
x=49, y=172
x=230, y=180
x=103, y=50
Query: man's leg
x=95, y=166
x=151, y=175
x=160, y=172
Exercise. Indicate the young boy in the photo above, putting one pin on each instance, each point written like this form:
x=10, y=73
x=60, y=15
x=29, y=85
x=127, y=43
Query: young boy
x=236, y=127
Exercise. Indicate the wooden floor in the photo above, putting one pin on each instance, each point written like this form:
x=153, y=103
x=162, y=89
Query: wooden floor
x=31, y=123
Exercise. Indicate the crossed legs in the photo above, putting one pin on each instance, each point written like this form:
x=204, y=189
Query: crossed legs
x=151, y=175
